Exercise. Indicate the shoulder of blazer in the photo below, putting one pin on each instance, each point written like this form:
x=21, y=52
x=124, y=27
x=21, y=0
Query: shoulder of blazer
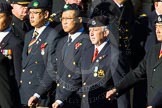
x=154, y=49
x=14, y=38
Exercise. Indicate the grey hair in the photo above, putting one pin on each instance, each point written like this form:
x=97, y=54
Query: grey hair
x=104, y=28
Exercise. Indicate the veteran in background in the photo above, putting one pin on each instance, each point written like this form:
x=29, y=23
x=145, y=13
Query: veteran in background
x=20, y=22
x=11, y=48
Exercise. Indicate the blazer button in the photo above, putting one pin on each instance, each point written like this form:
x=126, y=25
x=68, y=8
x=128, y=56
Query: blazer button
x=154, y=70
x=31, y=72
x=58, y=85
x=36, y=62
x=29, y=82
x=84, y=83
x=83, y=95
x=69, y=75
x=23, y=70
x=74, y=63
x=21, y=81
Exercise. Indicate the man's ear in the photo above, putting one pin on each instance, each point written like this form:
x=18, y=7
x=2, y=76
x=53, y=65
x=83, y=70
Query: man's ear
x=80, y=20
x=46, y=15
x=106, y=32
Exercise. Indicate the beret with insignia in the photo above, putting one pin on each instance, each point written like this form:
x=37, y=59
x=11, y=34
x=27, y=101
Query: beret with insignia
x=5, y=8
x=98, y=21
x=72, y=7
x=40, y=4
x=159, y=19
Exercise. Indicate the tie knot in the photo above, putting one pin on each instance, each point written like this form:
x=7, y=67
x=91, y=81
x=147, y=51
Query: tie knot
x=69, y=39
x=96, y=50
x=95, y=54
x=35, y=34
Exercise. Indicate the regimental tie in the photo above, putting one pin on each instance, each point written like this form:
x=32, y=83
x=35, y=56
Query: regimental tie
x=34, y=39
x=160, y=55
x=95, y=55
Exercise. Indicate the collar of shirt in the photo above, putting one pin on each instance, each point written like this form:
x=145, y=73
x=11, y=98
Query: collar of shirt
x=41, y=29
x=119, y=5
x=101, y=46
x=157, y=12
x=4, y=33
x=75, y=35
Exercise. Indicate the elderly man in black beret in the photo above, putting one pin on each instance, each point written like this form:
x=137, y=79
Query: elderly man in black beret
x=35, y=52
x=99, y=69
x=11, y=49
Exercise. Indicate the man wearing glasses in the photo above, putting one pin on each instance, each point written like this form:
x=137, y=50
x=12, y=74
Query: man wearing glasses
x=67, y=56
x=37, y=42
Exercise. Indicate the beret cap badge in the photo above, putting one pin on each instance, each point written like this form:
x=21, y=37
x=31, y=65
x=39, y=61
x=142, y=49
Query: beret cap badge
x=93, y=22
x=66, y=6
x=159, y=19
x=35, y=4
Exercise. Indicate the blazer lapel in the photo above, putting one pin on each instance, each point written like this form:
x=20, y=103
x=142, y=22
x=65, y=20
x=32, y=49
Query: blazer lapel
x=39, y=41
x=101, y=56
x=157, y=51
x=64, y=47
x=87, y=63
x=4, y=42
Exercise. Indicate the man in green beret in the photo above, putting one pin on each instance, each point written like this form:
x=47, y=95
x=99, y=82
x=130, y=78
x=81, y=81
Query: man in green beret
x=35, y=52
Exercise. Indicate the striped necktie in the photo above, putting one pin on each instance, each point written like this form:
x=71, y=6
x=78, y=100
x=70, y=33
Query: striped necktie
x=34, y=39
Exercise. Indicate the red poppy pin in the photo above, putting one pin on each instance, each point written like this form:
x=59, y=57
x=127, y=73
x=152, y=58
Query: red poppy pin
x=77, y=45
x=42, y=48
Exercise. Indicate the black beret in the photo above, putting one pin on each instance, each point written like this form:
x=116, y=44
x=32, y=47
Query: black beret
x=72, y=7
x=5, y=8
x=40, y=4
x=21, y=2
x=157, y=0
x=98, y=21
x=159, y=20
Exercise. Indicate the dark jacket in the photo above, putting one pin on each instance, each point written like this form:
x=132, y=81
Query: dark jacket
x=150, y=69
x=34, y=64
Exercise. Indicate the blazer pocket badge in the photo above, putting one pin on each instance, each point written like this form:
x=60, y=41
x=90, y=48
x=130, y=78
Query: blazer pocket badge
x=7, y=53
x=43, y=45
x=101, y=73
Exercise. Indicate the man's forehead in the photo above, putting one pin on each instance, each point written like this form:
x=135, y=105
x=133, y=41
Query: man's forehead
x=35, y=9
x=96, y=27
x=158, y=24
x=69, y=12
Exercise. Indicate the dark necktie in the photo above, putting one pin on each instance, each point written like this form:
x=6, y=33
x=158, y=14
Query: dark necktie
x=69, y=39
x=67, y=45
x=121, y=8
x=95, y=55
x=34, y=39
